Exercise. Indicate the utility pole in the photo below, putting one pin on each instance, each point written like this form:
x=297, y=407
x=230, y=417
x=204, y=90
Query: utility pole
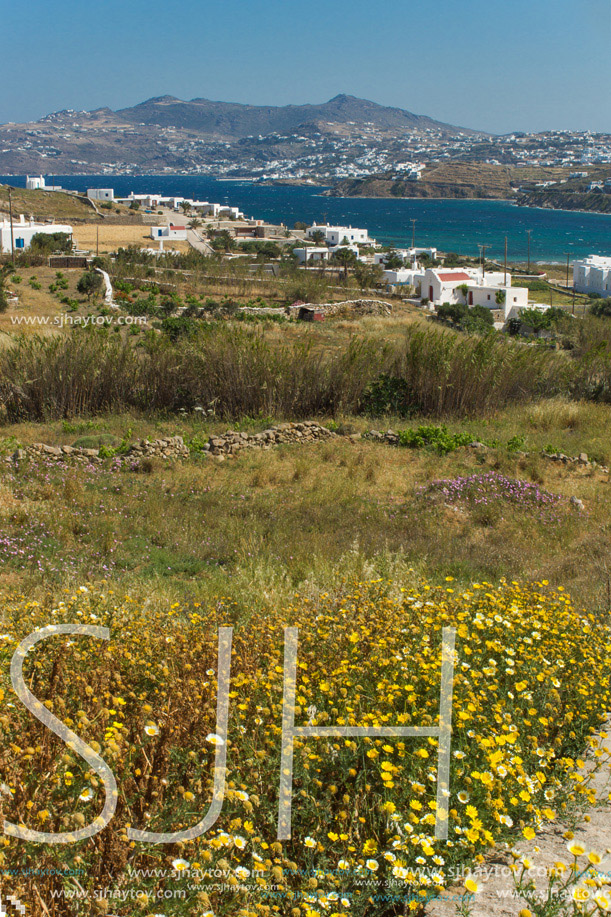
x=97, y=239
x=505, y=277
x=568, y=255
x=528, y=232
x=483, y=256
x=10, y=211
x=413, y=222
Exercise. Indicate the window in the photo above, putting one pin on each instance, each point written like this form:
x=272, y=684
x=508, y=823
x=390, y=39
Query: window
x=19, y=243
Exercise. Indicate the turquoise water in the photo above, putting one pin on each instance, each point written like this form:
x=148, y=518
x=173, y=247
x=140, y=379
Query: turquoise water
x=450, y=225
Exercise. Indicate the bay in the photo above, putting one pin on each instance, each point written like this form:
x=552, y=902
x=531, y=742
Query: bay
x=451, y=225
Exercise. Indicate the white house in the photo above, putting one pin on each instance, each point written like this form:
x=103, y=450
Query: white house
x=407, y=254
x=101, y=194
x=178, y=233
x=410, y=276
x=593, y=275
x=35, y=182
x=23, y=232
x=335, y=235
x=311, y=254
x=493, y=289
x=440, y=285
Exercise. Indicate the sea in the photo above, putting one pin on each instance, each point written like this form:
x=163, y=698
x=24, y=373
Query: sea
x=459, y=226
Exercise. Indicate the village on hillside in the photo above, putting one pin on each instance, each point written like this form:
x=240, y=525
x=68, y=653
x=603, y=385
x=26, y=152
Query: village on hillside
x=159, y=226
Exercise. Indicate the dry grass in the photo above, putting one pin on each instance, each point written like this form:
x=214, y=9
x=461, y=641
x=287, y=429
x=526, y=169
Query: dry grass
x=295, y=516
x=112, y=237
x=46, y=205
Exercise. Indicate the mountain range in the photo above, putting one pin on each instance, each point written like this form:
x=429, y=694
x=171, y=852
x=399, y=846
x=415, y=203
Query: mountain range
x=166, y=134
x=231, y=120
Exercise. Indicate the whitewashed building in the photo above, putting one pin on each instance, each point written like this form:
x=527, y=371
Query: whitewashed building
x=407, y=254
x=178, y=233
x=24, y=231
x=468, y=285
x=337, y=235
x=404, y=276
x=101, y=194
x=593, y=275
x=35, y=183
x=311, y=254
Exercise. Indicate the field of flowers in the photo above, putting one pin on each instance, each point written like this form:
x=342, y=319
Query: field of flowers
x=531, y=687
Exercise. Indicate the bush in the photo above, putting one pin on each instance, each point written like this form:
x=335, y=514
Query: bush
x=388, y=395
x=439, y=439
x=45, y=243
x=89, y=284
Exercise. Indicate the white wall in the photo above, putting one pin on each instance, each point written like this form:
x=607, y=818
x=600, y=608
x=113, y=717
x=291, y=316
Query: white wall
x=169, y=232
x=24, y=231
x=335, y=235
x=593, y=275
x=35, y=183
x=101, y=194
x=313, y=254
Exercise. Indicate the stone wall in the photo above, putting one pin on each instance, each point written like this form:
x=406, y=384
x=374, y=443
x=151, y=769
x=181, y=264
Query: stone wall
x=221, y=445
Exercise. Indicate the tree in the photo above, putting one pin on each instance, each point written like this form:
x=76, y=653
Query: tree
x=43, y=243
x=186, y=207
x=135, y=205
x=346, y=257
x=318, y=237
x=368, y=275
x=195, y=223
x=300, y=226
x=167, y=306
x=393, y=261
x=89, y=284
x=601, y=308
x=500, y=297
x=222, y=241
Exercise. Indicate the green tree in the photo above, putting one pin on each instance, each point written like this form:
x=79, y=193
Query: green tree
x=318, y=237
x=393, y=261
x=346, y=258
x=601, y=308
x=90, y=283
x=43, y=243
x=368, y=275
x=222, y=241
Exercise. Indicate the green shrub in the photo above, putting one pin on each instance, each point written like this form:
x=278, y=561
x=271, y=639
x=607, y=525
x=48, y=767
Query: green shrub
x=388, y=395
x=439, y=439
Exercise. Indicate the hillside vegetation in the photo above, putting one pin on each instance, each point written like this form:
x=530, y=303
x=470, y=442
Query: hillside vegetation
x=43, y=205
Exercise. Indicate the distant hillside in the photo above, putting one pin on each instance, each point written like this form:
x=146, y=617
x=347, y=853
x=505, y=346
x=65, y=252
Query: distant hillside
x=488, y=181
x=232, y=120
x=595, y=201
x=446, y=180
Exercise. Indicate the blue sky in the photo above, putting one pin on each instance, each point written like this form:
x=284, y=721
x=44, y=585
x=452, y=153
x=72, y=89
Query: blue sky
x=497, y=65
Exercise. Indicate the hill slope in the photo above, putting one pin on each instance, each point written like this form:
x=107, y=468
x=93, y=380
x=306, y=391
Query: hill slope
x=232, y=120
